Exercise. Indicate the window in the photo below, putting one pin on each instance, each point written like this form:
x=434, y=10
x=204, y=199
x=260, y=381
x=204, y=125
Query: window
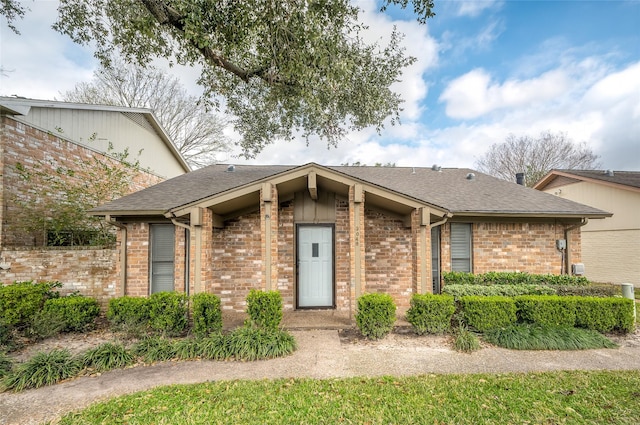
x=461, y=247
x=162, y=257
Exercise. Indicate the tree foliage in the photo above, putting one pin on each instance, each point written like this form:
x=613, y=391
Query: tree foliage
x=280, y=68
x=535, y=157
x=55, y=208
x=197, y=133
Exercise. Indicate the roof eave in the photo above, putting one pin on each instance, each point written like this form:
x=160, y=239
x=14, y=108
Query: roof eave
x=511, y=214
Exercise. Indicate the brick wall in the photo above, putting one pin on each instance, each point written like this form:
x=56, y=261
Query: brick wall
x=31, y=147
x=504, y=246
x=237, y=261
x=389, y=255
x=286, y=255
x=91, y=271
x=138, y=260
x=343, y=260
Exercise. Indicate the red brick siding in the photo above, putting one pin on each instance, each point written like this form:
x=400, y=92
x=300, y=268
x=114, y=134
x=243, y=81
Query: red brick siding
x=138, y=260
x=343, y=257
x=286, y=255
x=87, y=270
x=29, y=146
x=389, y=256
x=237, y=261
x=509, y=246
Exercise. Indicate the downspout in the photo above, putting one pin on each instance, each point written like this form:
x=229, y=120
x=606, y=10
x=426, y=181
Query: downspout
x=583, y=222
x=187, y=249
x=123, y=254
x=445, y=218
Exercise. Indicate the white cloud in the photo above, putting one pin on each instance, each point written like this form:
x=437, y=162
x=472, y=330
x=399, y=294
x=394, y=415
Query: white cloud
x=474, y=8
x=474, y=94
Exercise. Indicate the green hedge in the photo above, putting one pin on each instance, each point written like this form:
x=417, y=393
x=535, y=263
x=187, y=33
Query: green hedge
x=129, y=313
x=207, y=314
x=376, y=315
x=20, y=301
x=547, y=310
x=168, y=313
x=484, y=313
x=605, y=314
x=431, y=313
x=462, y=290
x=512, y=278
x=264, y=308
x=77, y=312
x=598, y=290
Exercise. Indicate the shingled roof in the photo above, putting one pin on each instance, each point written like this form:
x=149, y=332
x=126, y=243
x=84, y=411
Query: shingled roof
x=630, y=179
x=460, y=191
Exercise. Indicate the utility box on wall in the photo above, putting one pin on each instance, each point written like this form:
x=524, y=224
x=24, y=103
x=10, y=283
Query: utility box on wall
x=577, y=269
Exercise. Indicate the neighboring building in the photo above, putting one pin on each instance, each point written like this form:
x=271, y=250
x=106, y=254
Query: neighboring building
x=611, y=247
x=52, y=134
x=323, y=236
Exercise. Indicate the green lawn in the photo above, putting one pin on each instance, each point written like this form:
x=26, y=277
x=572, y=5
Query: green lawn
x=539, y=398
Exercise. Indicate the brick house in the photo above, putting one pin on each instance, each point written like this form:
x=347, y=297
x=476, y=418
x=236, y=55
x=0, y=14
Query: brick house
x=53, y=134
x=611, y=247
x=323, y=236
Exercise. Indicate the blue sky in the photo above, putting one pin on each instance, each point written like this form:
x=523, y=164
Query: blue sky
x=485, y=69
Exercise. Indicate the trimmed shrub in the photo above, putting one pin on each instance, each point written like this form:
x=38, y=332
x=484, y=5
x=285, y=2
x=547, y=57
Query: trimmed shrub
x=605, y=314
x=129, y=314
x=461, y=290
x=107, y=356
x=484, y=313
x=264, y=308
x=44, y=369
x=376, y=315
x=252, y=343
x=431, y=313
x=593, y=290
x=77, y=312
x=547, y=310
x=20, y=301
x=513, y=278
x=46, y=324
x=168, y=313
x=207, y=314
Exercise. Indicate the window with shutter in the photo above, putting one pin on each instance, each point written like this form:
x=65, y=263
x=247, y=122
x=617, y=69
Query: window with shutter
x=461, y=247
x=162, y=257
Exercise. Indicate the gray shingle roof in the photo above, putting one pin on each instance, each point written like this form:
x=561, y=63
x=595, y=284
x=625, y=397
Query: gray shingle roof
x=626, y=178
x=448, y=188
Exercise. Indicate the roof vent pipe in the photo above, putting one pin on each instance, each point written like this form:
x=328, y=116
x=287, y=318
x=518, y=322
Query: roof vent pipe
x=520, y=179
x=436, y=167
x=609, y=173
x=471, y=176
x=231, y=168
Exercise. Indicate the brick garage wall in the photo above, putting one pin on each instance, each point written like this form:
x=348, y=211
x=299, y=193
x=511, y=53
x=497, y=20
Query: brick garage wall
x=504, y=246
x=90, y=271
x=286, y=255
x=237, y=261
x=389, y=257
x=29, y=146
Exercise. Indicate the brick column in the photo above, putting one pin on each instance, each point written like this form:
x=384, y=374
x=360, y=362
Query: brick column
x=421, y=233
x=269, y=235
x=356, y=243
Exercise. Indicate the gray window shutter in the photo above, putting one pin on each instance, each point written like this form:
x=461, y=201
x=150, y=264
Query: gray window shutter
x=162, y=257
x=461, y=247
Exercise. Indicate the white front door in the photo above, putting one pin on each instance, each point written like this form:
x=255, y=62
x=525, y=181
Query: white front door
x=315, y=266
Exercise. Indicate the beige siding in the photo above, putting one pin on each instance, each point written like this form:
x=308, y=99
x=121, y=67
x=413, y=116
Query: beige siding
x=612, y=256
x=610, y=247
x=122, y=130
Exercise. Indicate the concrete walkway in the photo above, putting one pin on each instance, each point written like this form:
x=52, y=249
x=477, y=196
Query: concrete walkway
x=320, y=354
